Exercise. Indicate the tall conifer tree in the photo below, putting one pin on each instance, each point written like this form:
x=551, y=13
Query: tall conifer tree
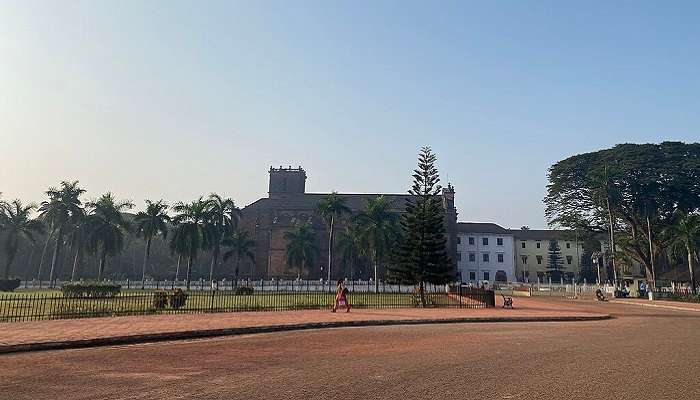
x=556, y=263
x=422, y=256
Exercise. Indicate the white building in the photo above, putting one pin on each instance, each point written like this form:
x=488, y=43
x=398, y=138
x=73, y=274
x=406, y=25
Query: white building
x=532, y=254
x=485, y=252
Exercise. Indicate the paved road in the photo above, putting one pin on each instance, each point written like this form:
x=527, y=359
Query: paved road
x=643, y=353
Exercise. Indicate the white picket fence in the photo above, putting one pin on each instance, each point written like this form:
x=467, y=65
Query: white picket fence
x=257, y=285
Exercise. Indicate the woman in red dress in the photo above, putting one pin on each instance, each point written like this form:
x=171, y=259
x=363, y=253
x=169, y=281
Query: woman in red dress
x=341, y=298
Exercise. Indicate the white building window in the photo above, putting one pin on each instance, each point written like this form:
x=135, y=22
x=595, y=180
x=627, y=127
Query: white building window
x=472, y=257
x=499, y=241
x=485, y=257
x=485, y=241
x=500, y=257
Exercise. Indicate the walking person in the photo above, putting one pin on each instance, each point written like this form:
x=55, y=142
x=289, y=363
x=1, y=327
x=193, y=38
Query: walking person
x=341, y=297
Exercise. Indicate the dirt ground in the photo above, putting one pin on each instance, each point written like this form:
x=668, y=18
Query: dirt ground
x=642, y=353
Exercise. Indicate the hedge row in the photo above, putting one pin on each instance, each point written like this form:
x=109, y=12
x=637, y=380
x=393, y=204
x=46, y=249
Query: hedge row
x=90, y=289
x=8, y=285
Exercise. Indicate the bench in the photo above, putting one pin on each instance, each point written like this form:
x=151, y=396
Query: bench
x=507, y=301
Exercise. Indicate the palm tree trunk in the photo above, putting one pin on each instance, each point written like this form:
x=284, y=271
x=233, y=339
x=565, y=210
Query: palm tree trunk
x=189, y=269
x=56, y=254
x=421, y=288
x=376, y=274
x=330, y=246
x=103, y=261
x=6, y=272
x=11, y=250
x=29, y=263
x=177, y=270
x=43, y=254
x=238, y=262
x=352, y=264
x=76, y=259
x=145, y=261
x=214, y=259
x=612, y=239
x=692, y=272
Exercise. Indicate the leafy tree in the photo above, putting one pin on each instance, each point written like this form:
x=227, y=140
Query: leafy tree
x=223, y=217
x=685, y=238
x=422, y=254
x=301, y=247
x=240, y=246
x=107, y=227
x=628, y=191
x=352, y=244
x=16, y=221
x=555, y=263
x=380, y=228
x=191, y=230
x=58, y=212
x=151, y=223
x=330, y=208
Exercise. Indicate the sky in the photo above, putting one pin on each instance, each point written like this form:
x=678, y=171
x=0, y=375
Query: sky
x=177, y=99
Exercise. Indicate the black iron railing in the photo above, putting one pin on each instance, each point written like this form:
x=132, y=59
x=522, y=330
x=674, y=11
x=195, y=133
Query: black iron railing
x=28, y=306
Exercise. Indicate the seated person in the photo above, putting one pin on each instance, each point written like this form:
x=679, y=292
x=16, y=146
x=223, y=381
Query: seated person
x=599, y=295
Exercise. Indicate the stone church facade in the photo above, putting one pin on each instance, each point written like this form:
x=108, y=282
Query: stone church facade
x=288, y=204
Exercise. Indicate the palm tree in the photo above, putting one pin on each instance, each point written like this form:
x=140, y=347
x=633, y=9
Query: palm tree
x=301, y=247
x=78, y=235
x=191, y=231
x=223, y=218
x=178, y=245
x=685, y=238
x=16, y=221
x=149, y=224
x=62, y=207
x=352, y=244
x=107, y=228
x=331, y=207
x=241, y=246
x=380, y=228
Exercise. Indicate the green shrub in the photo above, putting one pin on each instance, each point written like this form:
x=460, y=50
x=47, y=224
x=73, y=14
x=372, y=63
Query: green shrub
x=8, y=285
x=90, y=289
x=178, y=299
x=688, y=298
x=243, y=290
x=160, y=300
x=415, y=298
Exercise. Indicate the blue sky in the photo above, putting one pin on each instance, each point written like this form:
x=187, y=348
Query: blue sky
x=178, y=99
